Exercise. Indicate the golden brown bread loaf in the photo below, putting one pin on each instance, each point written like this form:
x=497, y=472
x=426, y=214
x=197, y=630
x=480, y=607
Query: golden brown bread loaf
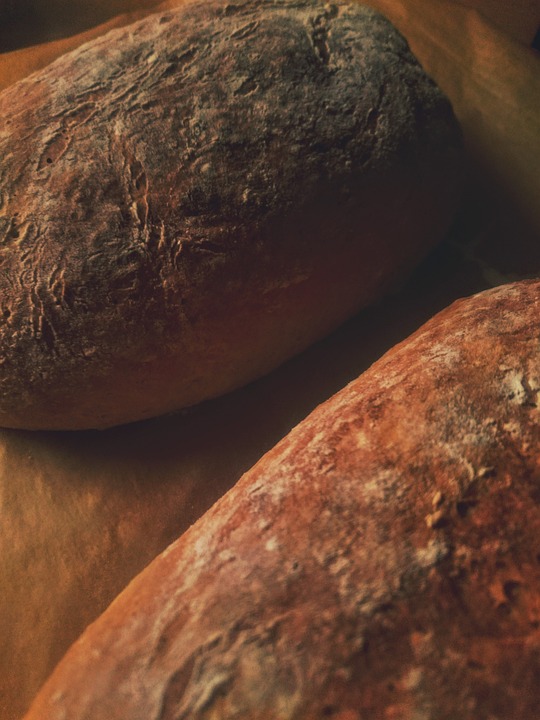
x=381, y=561
x=91, y=509
x=188, y=201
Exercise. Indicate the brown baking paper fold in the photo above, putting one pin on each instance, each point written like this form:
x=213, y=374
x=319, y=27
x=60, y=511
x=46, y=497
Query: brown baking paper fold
x=493, y=82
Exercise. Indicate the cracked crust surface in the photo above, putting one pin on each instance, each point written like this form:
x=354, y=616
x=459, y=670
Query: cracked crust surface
x=188, y=201
x=381, y=561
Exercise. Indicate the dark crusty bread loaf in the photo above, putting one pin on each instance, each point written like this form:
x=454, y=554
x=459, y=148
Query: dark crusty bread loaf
x=188, y=201
x=381, y=561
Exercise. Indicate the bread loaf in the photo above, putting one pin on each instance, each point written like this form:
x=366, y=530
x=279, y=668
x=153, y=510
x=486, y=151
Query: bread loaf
x=190, y=200
x=83, y=512
x=381, y=561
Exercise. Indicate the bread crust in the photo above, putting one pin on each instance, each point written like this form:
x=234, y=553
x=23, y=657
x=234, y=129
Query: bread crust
x=381, y=560
x=188, y=201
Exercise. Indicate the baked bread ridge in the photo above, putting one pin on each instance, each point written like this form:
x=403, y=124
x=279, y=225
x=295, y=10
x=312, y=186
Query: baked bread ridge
x=188, y=201
x=381, y=559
